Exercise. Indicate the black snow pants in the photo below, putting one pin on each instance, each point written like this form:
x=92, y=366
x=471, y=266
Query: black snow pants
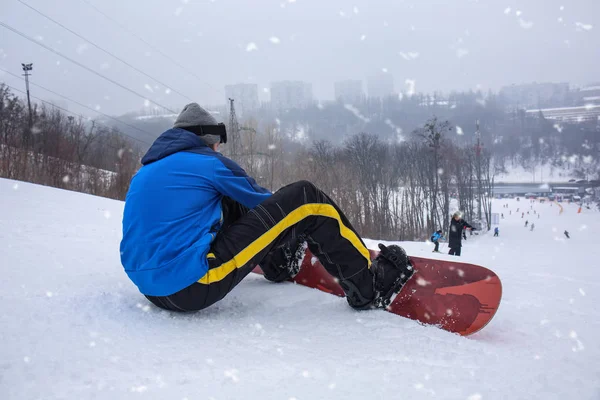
x=454, y=251
x=437, y=246
x=299, y=211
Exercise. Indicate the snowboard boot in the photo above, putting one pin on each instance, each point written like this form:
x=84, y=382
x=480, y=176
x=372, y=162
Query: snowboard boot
x=284, y=263
x=391, y=270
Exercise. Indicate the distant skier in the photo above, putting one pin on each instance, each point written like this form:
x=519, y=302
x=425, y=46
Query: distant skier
x=510, y=212
x=457, y=226
x=522, y=215
x=538, y=216
x=526, y=222
x=567, y=235
x=532, y=226
x=435, y=238
x=496, y=231
x=502, y=215
x=195, y=224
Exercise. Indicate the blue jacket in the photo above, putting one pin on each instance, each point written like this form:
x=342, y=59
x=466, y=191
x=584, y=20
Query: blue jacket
x=436, y=236
x=173, y=211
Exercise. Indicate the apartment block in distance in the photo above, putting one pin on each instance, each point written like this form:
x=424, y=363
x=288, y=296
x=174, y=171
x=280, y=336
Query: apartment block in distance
x=286, y=95
x=348, y=92
x=380, y=85
x=245, y=96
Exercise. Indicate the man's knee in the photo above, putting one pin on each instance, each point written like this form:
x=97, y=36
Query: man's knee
x=301, y=188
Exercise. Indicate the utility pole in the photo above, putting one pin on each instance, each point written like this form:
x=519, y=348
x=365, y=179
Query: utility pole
x=26, y=69
x=478, y=155
x=233, y=130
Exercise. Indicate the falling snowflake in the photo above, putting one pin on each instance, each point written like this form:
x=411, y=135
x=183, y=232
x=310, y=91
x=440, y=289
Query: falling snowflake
x=274, y=40
x=581, y=292
x=411, y=55
x=525, y=24
x=459, y=130
x=460, y=52
x=232, y=374
x=81, y=48
x=16, y=186
x=384, y=70
x=581, y=26
x=422, y=282
x=518, y=13
x=49, y=294
x=305, y=374
x=356, y=112
x=146, y=103
x=251, y=47
x=411, y=86
x=475, y=396
x=272, y=147
x=355, y=10
x=138, y=389
x=178, y=11
x=507, y=10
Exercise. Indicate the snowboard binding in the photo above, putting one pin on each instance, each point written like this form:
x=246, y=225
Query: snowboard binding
x=391, y=270
x=284, y=262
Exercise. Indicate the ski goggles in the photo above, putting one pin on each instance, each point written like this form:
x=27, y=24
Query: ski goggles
x=218, y=130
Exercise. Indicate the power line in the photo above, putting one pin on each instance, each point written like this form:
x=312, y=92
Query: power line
x=71, y=112
x=152, y=46
x=81, y=104
x=83, y=66
x=105, y=51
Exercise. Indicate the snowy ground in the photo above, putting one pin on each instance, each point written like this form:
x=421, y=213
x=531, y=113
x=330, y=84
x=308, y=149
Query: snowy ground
x=73, y=327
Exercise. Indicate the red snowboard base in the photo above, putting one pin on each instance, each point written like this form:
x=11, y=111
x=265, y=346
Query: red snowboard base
x=457, y=297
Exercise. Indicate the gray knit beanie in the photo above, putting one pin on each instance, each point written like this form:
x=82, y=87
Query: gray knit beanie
x=193, y=115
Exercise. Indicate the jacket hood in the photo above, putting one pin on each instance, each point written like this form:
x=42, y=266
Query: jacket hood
x=170, y=142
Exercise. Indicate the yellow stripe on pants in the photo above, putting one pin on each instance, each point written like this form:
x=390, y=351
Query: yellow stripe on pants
x=304, y=211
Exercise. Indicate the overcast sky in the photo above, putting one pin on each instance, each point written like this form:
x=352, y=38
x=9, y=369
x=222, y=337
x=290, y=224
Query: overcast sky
x=440, y=44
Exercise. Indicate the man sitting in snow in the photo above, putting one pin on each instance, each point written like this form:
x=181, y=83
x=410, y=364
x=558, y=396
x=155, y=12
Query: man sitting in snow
x=195, y=224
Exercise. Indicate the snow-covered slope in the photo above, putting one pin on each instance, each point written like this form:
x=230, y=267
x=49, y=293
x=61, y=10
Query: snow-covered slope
x=73, y=327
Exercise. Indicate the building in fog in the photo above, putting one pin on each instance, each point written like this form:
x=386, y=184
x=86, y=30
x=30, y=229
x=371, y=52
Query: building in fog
x=589, y=95
x=245, y=96
x=536, y=95
x=291, y=94
x=348, y=92
x=575, y=115
x=380, y=85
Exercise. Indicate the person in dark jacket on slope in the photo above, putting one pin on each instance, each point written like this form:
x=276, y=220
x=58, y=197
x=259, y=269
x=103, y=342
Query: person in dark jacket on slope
x=457, y=224
x=195, y=224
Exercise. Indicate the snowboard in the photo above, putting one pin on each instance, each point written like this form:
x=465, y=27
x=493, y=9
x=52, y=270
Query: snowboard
x=457, y=297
